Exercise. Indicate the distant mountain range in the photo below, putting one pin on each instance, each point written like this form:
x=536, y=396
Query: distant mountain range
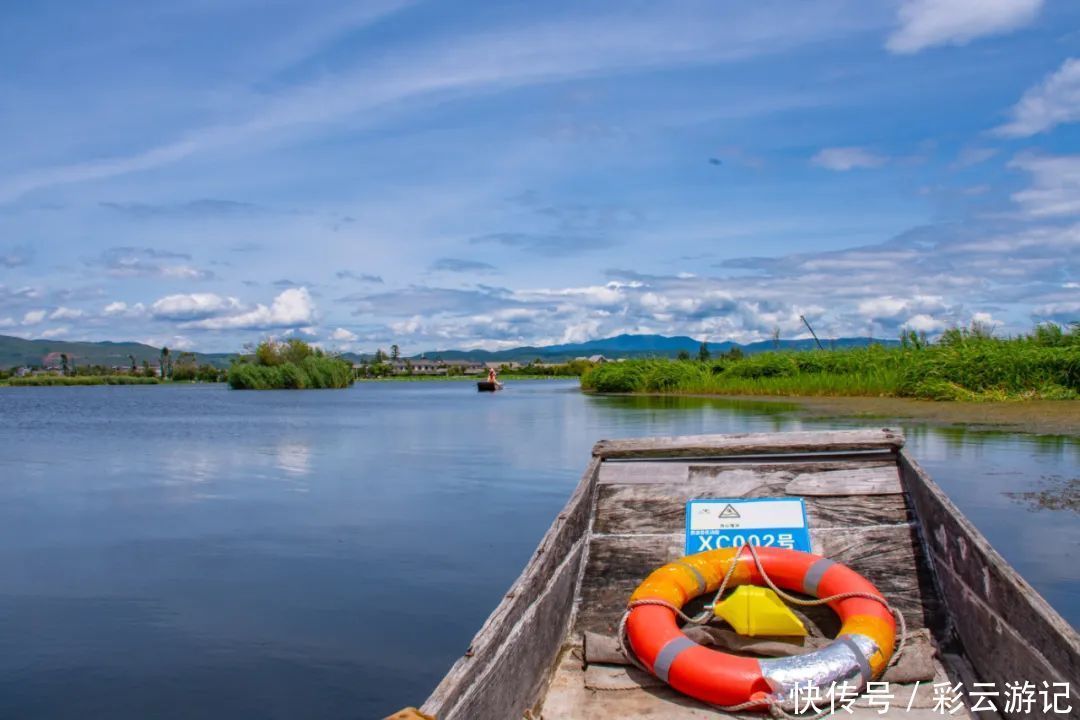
x=16, y=351
x=636, y=346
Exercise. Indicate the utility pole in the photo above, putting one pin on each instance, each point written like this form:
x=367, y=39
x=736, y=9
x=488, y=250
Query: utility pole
x=807, y=323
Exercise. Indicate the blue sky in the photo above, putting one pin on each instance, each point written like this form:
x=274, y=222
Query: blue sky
x=464, y=174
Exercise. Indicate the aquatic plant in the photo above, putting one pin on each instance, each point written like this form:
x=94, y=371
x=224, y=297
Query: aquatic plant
x=292, y=365
x=50, y=380
x=964, y=364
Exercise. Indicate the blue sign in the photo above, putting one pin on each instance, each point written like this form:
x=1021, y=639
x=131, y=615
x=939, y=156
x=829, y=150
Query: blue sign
x=712, y=524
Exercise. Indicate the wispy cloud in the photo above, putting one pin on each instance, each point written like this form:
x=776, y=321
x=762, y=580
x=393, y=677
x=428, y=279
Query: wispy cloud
x=358, y=277
x=17, y=256
x=552, y=244
x=494, y=60
x=207, y=207
x=843, y=159
x=245, y=247
x=1055, y=101
x=927, y=23
x=458, y=265
x=33, y=317
x=129, y=261
x=1055, y=189
x=66, y=313
x=970, y=156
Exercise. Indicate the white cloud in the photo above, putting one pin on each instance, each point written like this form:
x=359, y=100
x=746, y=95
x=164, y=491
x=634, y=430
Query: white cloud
x=847, y=158
x=33, y=317
x=293, y=308
x=1055, y=189
x=66, y=313
x=925, y=323
x=973, y=156
x=122, y=309
x=54, y=332
x=985, y=319
x=7, y=322
x=580, y=332
x=887, y=306
x=192, y=306
x=173, y=342
x=343, y=335
x=1061, y=312
x=927, y=279
x=926, y=23
x=1054, y=101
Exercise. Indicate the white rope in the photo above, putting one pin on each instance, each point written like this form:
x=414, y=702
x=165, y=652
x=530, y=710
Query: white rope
x=775, y=707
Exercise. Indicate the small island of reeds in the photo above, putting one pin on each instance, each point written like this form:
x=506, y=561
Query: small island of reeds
x=289, y=365
x=963, y=364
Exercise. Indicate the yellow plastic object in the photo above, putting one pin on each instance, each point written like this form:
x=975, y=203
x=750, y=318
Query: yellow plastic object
x=756, y=611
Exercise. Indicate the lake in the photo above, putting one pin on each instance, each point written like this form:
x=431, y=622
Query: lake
x=194, y=552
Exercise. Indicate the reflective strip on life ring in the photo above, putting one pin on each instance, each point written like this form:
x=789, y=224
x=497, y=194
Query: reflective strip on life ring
x=859, y=653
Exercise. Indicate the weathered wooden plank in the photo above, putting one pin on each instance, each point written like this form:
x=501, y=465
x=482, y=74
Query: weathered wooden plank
x=519, y=667
x=674, y=471
x=886, y=555
x=502, y=626
x=859, y=481
x=655, y=508
x=642, y=472
x=571, y=697
x=750, y=443
x=1003, y=655
x=982, y=591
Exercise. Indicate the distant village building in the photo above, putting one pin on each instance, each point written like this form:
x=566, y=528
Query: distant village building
x=595, y=359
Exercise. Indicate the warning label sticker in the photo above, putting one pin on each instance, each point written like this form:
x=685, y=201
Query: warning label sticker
x=766, y=522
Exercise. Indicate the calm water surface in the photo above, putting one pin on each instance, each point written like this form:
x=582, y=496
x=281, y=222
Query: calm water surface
x=191, y=552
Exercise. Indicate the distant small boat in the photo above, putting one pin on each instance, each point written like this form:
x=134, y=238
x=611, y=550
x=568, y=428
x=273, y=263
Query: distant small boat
x=485, y=386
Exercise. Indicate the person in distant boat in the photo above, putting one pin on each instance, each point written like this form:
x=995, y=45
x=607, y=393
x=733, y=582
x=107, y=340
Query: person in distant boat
x=491, y=375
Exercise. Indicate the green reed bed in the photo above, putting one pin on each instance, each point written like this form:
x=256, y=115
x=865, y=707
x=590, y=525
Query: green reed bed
x=51, y=380
x=963, y=365
x=291, y=365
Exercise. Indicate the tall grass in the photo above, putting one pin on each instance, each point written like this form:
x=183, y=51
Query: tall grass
x=49, y=380
x=963, y=365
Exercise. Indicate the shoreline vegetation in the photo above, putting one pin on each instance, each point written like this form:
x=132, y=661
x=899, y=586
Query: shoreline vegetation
x=965, y=364
x=289, y=365
x=64, y=380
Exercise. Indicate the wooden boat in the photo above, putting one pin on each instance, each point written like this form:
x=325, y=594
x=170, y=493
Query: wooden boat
x=869, y=506
x=486, y=386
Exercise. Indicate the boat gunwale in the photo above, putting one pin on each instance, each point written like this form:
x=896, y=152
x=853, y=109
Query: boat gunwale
x=963, y=599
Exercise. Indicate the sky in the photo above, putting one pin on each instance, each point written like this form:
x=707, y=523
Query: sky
x=456, y=174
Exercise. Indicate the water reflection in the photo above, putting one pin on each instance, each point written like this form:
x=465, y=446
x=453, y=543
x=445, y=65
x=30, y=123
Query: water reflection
x=294, y=458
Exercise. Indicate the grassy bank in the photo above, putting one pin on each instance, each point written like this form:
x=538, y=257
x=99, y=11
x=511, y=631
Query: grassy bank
x=49, y=380
x=963, y=365
x=456, y=378
x=292, y=365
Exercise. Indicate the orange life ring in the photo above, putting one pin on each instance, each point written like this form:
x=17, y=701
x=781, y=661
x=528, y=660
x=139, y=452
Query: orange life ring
x=859, y=654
